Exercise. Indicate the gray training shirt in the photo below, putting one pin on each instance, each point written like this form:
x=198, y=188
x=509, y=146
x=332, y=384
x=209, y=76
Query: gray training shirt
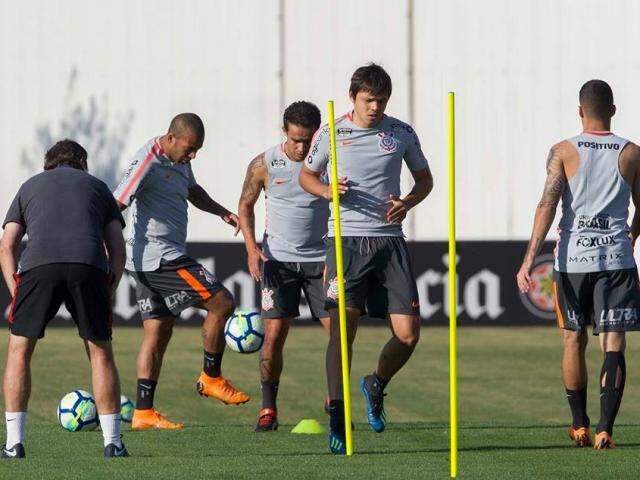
x=296, y=221
x=157, y=190
x=594, y=234
x=371, y=159
x=64, y=211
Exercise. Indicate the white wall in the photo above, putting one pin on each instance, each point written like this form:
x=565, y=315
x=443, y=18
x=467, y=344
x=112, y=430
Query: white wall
x=116, y=72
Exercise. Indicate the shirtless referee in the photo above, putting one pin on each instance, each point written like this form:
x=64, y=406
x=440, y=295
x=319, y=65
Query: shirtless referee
x=595, y=277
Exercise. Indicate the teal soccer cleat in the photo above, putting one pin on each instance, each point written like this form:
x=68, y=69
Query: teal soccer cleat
x=374, y=398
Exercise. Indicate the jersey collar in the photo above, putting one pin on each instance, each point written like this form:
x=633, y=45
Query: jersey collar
x=600, y=133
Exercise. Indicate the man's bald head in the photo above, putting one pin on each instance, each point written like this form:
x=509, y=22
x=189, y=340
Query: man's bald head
x=187, y=122
x=184, y=138
x=596, y=99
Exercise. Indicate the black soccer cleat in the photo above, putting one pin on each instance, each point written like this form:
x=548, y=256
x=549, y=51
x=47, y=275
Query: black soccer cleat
x=112, y=451
x=16, y=452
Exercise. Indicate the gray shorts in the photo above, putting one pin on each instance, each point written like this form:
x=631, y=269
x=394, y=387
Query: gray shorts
x=283, y=283
x=175, y=286
x=609, y=300
x=378, y=276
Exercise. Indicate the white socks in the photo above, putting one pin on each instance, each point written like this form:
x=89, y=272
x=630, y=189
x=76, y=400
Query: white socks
x=110, y=425
x=15, y=428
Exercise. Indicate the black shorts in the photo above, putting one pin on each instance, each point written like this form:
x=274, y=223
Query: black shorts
x=84, y=289
x=282, y=284
x=175, y=286
x=378, y=276
x=609, y=300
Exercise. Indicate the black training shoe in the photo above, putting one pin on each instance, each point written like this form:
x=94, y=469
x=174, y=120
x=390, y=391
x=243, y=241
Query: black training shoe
x=374, y=394
x=16, y=452
x=112, y=451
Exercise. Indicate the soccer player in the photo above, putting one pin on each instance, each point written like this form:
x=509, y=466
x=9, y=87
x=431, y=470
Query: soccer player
x=378, y=275
x=70, y=217
x=293, y=249
x=595, y=275
x=157, y=185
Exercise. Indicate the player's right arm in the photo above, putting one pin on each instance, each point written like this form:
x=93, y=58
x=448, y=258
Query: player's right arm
x=254, y=182
x=116, y=252
x=13, y=233
x=545, y=212
x=316, y=165
x=133, y=179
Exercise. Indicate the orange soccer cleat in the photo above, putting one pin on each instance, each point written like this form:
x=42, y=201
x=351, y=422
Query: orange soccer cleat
x=151, y=418
x=603, y=441
x=581, y=436
x=220, y=388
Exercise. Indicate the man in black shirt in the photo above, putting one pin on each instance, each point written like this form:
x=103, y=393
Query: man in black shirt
x=69, y=218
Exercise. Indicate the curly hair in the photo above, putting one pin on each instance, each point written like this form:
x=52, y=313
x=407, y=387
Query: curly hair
x=303, y=114
x=66, y=152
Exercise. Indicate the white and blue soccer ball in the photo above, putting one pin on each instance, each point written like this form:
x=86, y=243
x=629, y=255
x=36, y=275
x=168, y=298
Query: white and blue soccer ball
x=77, y=411
x=126, y=409
x=244, y=331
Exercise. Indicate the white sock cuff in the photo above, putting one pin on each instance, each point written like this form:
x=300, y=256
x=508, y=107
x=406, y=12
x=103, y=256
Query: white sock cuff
x=110, y=425
x=15, y=422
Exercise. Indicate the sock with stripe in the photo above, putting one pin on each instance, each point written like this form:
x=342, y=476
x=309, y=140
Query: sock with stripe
x=146, y=392
x=612, y=378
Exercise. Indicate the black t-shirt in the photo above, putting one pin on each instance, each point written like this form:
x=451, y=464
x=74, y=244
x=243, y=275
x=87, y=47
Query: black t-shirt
x=64, y=212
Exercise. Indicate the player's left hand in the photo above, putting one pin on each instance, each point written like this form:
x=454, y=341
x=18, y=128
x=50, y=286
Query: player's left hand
x=524, y=278
x=397, y=209
x=233, y=220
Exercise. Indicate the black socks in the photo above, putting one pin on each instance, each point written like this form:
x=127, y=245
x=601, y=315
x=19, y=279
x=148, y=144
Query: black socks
x=212, y=363
x=145, y=393
x=578, y=404
x=614, y=371
x=336, y=416
x=269, y=393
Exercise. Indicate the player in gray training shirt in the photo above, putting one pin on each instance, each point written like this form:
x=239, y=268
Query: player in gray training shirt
x=378, y=276
x=595, y=276
x=157, y=184
x=293, y=249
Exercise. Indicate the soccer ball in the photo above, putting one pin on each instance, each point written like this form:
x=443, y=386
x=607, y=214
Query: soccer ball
x=126, y=409
x=244, y=332
x=77, y=411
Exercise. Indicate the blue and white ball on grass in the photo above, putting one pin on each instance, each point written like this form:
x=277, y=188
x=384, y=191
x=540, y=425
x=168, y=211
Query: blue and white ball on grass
x=126, y=409
x=77, y=411
x=244, y=331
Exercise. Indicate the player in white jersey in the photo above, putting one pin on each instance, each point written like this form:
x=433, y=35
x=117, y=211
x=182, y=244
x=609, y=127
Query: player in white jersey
x=372, y=148
x=293, y=249
x=157, y=185
x=595, y=276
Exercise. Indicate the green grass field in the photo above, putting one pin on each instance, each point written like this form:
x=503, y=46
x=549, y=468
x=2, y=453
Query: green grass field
x=512, y=411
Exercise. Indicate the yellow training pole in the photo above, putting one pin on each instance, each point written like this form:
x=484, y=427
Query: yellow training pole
x=342, y=308
x=453, y=291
